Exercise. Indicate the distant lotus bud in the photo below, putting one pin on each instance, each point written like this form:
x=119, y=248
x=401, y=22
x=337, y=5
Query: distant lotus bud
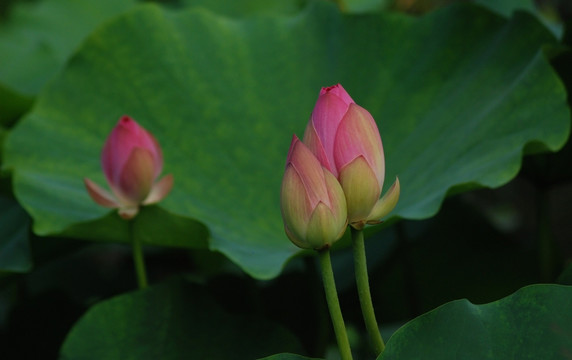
x=313, y=203
x=131, y=161
x=345, y=138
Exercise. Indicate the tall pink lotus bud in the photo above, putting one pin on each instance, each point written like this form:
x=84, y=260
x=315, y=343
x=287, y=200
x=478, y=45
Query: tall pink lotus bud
x=313, y=202
x=320, y=134
x=346, y=140
x=132, y=161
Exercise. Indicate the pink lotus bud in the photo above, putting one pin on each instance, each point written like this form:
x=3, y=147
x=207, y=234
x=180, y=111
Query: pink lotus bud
x=132, y=161
x=313, y=203
x=345, y=138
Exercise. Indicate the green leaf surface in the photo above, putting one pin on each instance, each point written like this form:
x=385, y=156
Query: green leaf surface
x=287, y=356
x=246, y=7
x=153, y=225
x=38, y=38
x=174, y=320
x=362, y=6
x=458, y=96
x=533, y=323
x=14, y=240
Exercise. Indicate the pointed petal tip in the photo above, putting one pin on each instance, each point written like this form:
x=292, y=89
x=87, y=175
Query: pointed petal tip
x=293, y=143
x=339, y=91
x=386, y=204
x=99, y=195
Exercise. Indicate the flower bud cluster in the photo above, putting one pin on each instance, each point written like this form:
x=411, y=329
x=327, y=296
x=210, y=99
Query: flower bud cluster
x=341, y=142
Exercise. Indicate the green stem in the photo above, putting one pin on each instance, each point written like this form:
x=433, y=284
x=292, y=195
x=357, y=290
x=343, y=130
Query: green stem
x=364, y=293
x=334, y=305
x=138, y=259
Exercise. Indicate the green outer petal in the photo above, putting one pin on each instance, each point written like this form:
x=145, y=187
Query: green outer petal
x=384, y=205
x=360, y=188
x=322, y=228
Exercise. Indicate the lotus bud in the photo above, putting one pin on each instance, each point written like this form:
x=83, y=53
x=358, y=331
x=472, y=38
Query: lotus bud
x=313, y=202
x=132, y=161
x=346, y=140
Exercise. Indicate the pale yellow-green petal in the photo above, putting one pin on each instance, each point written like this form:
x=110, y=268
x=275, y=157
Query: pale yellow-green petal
x=99, y=195
x=338, y=204
x=159, y=190
x=323, y=228
x=294, y=204
x=386, y=204
x=361, y=189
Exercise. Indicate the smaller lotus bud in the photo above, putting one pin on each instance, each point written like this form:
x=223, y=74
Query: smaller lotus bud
x=313, y=203
x=132, y=161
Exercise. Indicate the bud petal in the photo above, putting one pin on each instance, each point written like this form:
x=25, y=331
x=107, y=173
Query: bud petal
x=339, y=91
x=160, y=190
x=385, y=204
x=358, y=135
x=296, y=208
x=322, y=225
x=310, y=172
x=99, y=195
x=330, y=108
x=361, y=190
x=136, y=177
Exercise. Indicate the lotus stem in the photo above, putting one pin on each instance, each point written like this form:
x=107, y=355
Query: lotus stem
x=334, y=305
x=364, y=293
x=138, y=259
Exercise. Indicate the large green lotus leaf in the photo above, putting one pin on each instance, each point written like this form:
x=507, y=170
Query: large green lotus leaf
x=38, y=38
x=533, y=323
x=172, y=321
x=457, y=94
